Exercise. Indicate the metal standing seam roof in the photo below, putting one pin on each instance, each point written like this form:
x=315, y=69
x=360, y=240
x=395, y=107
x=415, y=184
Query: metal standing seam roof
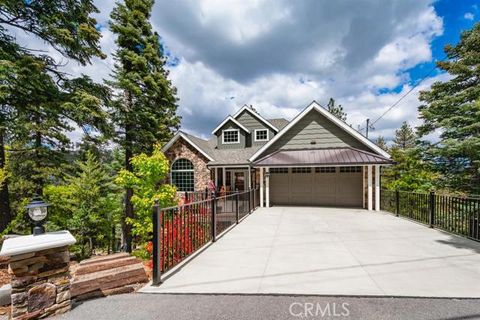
x=326, y=156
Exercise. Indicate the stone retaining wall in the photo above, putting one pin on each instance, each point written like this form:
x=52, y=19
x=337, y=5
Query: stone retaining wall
x=40, y=283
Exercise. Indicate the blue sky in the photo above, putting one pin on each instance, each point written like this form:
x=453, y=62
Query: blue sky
x=279, y=55
x=457, y=16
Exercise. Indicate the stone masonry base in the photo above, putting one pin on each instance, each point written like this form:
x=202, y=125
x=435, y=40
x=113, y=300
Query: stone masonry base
x=40, y=283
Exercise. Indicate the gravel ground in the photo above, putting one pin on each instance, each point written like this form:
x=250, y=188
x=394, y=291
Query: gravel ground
x=265, y=307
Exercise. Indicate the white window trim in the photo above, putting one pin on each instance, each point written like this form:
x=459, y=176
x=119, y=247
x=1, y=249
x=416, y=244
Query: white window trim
x=183, y=170
x=256, y=115
x=255, y=135
x=229, y=130
x=229, y=118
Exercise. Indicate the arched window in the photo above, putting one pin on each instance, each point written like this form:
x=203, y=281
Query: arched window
x=182, y=175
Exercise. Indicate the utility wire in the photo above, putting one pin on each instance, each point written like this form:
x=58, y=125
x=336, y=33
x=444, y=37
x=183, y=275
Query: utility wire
x=403, y=96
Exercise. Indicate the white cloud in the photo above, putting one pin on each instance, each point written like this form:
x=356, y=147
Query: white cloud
x=280, y=55
x=469, y=16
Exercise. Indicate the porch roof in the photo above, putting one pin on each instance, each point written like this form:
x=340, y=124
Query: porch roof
x=324, y=156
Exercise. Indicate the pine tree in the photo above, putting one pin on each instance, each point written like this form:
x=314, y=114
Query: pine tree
x=336, y=110
x=145, y=108
x=452, y=109
x=88, y=204
x=382, y=143
x=66, y=25
x=36, y=99
x=405, y=137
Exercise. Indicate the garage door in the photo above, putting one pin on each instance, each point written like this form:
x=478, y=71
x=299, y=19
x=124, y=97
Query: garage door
x=319, y=186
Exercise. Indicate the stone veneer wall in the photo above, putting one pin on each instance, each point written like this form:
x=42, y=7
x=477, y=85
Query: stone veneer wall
x=182, y=149
x=40, y=283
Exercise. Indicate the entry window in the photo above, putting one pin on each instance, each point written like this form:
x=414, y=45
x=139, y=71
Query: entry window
x=261, y=135
x=278, y=170
x=325, y=169
x=301, y=170
x=350, y=169
x=231, y=136
x=182, y=175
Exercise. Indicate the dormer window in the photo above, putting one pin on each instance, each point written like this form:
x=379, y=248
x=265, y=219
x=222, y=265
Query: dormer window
x=261, y=135
x=231, y=136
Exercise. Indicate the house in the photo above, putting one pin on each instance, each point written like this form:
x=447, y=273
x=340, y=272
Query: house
x=316, y=160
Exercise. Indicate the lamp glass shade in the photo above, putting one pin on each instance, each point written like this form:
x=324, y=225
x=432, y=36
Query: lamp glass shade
x=37, y=213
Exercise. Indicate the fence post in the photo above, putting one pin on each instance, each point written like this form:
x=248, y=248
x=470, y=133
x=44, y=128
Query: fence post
x=432, y=209
x=397, y=202
x=214, y=218
x=237, y=214
x=157, y=245
x=250, y=199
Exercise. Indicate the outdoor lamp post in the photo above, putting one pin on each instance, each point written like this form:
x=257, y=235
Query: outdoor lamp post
x=37, y=210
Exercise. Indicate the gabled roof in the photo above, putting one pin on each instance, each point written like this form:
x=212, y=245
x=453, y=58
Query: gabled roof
x=195, y=142
x=315, y=106
x=279, y=123
x=321, y=156
x=256, y=115
x=229, y=118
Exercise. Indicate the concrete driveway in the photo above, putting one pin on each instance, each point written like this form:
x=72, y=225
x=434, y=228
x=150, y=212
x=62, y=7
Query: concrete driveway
x=332, y=251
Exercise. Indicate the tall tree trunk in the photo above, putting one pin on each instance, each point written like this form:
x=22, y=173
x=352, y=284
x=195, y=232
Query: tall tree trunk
x=5, y=211
x=127, y=228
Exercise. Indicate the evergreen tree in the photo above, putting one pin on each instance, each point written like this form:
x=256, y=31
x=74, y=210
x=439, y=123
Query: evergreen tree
x=66, y=25
x=144, y=110
x=88, y=204
x=336, y=110
x=36, y=99
x=452, y=109
x=382, y=143
x=410, y=172
x=405, y=137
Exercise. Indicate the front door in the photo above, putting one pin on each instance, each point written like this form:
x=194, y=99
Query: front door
x=239, y=180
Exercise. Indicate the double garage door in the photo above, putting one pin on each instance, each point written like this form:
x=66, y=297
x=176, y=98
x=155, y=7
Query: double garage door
x=317, y=186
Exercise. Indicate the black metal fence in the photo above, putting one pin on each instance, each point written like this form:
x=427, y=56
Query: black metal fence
x=458, y=215
x=194, y=196
x=181, y=230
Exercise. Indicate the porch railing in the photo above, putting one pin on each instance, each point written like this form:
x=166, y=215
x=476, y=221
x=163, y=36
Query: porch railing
x=180, y=231
x=454, y=214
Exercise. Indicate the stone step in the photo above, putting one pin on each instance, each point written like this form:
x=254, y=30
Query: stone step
x=105, y=276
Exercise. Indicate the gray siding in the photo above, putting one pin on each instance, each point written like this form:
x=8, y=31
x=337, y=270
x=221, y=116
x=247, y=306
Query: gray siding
x=243, y=138
x=315, y=127
x=252, y=123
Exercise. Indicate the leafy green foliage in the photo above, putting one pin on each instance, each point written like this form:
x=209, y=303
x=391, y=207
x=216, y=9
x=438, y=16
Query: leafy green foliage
x=88, y=204
x=144, y=179
x=38, y=103
x=410, y=173
x=452, y=109
x=144, y=108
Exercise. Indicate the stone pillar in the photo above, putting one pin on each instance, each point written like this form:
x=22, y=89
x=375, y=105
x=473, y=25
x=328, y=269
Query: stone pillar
x=40, y=274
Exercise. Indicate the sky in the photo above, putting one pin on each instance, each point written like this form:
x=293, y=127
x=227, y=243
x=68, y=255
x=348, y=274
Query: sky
x=279, y=55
